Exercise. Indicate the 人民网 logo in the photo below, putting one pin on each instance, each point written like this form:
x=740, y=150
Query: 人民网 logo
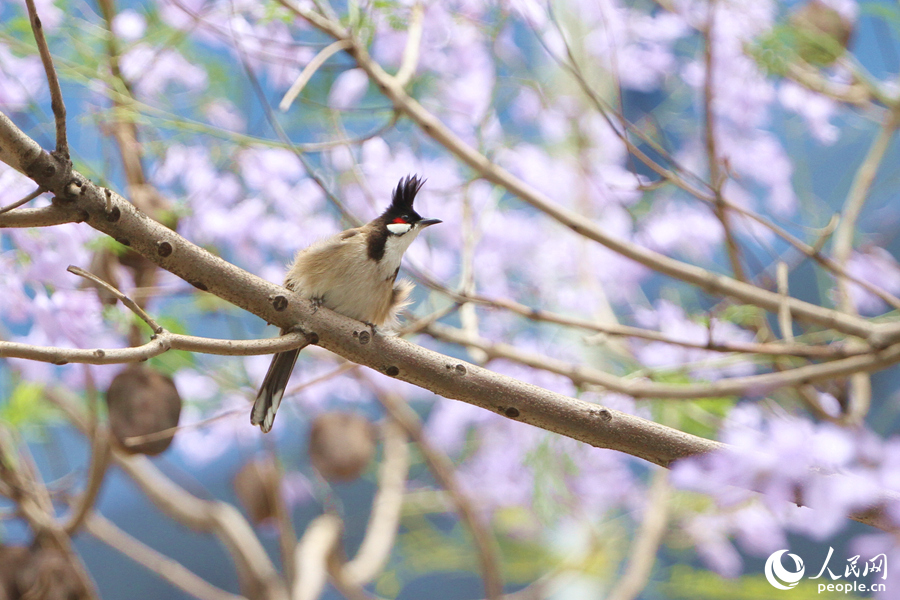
x=778, y=576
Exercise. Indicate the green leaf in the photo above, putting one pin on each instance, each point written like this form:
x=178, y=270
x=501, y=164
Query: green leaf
x=26, y=406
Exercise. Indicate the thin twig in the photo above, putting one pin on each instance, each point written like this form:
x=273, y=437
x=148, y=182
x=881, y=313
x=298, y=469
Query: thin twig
x=310, y=70
x=163, y=342
x=443, y=471
x=716, y=175
x=384, y=520
x=128, y=302
x=646, y=544
x=764, y=348
x=784, y=313
x=96, y=472
x=410, y=59
x=860, y=396
x=319, y=543
x=856, y=198
x=170, y=570
x=56, y=98
x=640, y=388
x=24, y=200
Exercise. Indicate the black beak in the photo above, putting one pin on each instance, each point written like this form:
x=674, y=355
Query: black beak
x=427, y=222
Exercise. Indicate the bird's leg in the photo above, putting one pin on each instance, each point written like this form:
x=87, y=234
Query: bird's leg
x=316, y=303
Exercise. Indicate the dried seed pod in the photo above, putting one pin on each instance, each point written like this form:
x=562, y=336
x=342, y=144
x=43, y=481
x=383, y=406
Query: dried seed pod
x=12, y=559
x=49, y=575
x=341, y=445
x=255, y=483
x=822, y=33
x=141, y=402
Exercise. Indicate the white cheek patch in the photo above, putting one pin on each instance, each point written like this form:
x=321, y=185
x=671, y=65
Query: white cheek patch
x=399, y=228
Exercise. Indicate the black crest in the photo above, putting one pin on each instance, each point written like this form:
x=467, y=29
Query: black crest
x=400, y=211
x=405, y=194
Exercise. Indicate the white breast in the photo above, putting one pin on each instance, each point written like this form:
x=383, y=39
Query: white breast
x=340, y=272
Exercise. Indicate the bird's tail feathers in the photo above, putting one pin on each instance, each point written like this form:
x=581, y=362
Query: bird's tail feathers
x=270, y=393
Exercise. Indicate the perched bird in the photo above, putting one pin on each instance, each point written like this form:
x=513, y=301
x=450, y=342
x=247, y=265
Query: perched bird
x=353, y=273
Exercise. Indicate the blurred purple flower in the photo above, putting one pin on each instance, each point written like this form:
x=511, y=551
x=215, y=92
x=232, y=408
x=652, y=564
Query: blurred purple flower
x=671, y=320
x=201, y=445
x=450, y=422
x=815, y=109
x=832, y=470
x=22, y=80
x=636, y=46
x=348, y=89
x=51, y=15
x=496, y=474
x=710, y=534
x=876, y=266
x=678, y=227
x=152, y=70
x=129, y=25
x=222, y=113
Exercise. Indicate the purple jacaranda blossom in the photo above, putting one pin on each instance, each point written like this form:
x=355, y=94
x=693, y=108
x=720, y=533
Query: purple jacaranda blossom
x=51, y=15
x=450, y=422
x=129, y=25
x=152, y=70
x=224, y=114
x=816, y=109
x=67, y=318
x=683, y=228
x=600, y=479
x=13, y=185
x=266, y=45
x=710, y=535
x=875, y=266
x=876, y=550
x=273, y=171
x=188, y=173
x=51, y=251
x=833, y=471
x=550, y=175
x=195, y=386
x=466, y=92
x=348, y=89
x=200, y=445
x=183, y=14
x=742, y=97
x=497, y=473
x=15, y=305
x=760, y=156
x=22, y=80
x=671, y=320
x=635, y=46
